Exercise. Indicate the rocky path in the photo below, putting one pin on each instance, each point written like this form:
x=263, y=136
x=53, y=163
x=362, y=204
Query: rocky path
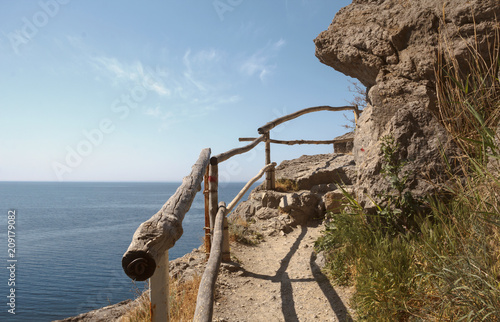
x=279, y=280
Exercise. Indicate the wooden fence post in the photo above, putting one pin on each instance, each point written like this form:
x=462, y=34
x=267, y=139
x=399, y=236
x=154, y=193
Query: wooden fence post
x=206, y=192
x=356, y=114
x=213, y=181
x=269, y=175
x=226, y=252
x=159, y=291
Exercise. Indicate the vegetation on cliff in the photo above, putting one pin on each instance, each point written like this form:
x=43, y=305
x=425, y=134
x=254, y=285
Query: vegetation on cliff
x=432, y=259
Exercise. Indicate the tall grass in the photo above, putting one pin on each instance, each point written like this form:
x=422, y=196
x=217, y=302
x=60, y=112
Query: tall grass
x=182, y=302
x=447, y=266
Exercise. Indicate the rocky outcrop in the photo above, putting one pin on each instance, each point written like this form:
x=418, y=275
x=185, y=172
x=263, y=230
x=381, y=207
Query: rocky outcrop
x=345, y=144
x=391, y=46
x=309, y=187
x=311, y=170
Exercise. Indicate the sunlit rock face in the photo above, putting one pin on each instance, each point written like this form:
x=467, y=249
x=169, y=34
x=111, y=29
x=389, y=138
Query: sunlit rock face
x=392, y=47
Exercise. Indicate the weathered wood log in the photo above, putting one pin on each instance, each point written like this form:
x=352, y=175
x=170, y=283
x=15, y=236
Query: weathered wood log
x=270, y=125
x=248, y=185
x=226, y=252
x=162, y=230
x=294, y=142
x=269, y=183
x=205, y=299
x=213, y=188
x=231, y=153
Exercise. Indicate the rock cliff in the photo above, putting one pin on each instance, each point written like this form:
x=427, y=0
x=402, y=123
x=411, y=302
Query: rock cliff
x=392, y=46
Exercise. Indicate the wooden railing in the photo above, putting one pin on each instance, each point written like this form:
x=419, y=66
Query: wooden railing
x=147, y=255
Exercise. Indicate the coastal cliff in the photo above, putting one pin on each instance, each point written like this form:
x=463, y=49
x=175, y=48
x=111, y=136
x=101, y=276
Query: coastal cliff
x=393, y=48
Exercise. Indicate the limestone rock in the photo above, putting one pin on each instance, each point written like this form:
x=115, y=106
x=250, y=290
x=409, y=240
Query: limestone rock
x=391, y=46
x=310, y=170
x=344, y=147
x=334, y=201
x=302, y=206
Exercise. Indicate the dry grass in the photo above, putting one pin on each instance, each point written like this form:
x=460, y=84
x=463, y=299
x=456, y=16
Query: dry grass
x=241, y=232
x=182, y=302
x=466, y=91
x=286, y=185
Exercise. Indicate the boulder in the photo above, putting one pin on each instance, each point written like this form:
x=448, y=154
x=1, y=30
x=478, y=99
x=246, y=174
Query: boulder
x=311, y=170
x=334, y=201
x=302, y=206
x=392, y=46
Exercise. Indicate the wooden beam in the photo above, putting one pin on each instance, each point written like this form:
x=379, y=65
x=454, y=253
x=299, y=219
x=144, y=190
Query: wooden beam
x=269, y=183
x=248, y=185
x=270, y=125
x=159, y=233
x=226, y=155
x=293, y=142
x=206, y=292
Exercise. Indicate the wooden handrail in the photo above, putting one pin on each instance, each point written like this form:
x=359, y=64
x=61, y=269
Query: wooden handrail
x=159, y=233
x=231, y=153
x=205, y=299
x=270, y=125
x=248, y=185
x=293, y=142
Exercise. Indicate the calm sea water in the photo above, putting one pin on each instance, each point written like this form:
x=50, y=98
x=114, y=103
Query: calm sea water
x=70, y=237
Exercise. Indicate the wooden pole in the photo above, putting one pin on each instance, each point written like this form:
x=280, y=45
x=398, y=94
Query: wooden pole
x=159, y=233
x=213, y=182
x=269, y=182
x=266, y=128
x=294, y=142
x=240, y=194
x=159, y=291
x=356, y=114
x=206, y=192
x=231, y=153
x=205, y=299
x=226, y=252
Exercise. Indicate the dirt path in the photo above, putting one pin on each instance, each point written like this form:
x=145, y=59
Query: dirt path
x=279, y=280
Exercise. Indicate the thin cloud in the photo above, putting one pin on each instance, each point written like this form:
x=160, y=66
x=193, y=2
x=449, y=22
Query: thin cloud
x=135, y=73
x=259, y=63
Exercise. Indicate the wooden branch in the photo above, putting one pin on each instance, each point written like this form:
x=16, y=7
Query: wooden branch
x=293, y=142
x=162, y=230
x=205, y=299
x=231, y=153
x=248, y=185
x=266, y=128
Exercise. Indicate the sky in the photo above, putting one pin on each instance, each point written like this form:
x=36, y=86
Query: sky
x=134, y=90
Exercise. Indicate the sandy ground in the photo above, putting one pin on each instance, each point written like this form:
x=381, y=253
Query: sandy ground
x=279, y=280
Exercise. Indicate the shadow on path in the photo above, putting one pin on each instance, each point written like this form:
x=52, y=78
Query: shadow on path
x=287, y=301
x=333, y=298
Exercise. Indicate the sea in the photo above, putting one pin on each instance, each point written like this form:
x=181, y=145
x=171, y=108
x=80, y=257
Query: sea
x=61, y=243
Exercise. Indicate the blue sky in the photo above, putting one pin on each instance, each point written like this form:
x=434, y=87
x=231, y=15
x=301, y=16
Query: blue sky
x=133, y=90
